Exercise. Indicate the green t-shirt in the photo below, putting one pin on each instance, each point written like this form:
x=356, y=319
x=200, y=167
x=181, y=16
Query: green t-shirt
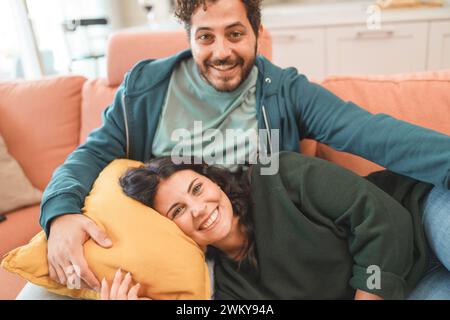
x=191, y=99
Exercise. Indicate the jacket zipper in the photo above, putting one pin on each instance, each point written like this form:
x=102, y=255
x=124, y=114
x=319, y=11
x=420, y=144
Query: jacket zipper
x=266, y=122
x=124, y=109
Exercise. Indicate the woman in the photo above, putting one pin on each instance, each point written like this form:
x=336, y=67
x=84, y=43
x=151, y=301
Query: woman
x=312, y=231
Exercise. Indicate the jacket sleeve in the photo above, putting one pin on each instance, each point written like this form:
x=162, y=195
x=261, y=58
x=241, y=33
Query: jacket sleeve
x=401, y=147
x=73, y=180
x=378, y=229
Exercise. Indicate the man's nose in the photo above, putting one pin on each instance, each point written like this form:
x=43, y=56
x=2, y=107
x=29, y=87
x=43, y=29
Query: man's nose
x=222, y=50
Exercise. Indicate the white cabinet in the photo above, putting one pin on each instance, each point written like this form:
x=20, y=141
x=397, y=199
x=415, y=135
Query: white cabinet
x=439, y=45
x=300, y=48
x=395, y=48
x=322, y=40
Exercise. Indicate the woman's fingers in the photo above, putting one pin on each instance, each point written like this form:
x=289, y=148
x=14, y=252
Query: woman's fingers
x=120, y=288
x=104, y=291
x=133, y=293
x=116, y=285
x=123, y=288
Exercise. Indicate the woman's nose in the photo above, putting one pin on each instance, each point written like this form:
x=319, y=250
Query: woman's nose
x=198, y=209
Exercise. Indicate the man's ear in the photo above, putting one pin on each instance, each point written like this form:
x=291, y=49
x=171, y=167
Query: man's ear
x=261, y=31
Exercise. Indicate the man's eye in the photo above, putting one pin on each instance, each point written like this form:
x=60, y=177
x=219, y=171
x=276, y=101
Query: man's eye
x=205, y=37
x=197, y=188
x=236, y=34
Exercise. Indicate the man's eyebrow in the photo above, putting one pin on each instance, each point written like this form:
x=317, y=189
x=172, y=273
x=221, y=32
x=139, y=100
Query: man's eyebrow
x=236, y=24
x=188, y=191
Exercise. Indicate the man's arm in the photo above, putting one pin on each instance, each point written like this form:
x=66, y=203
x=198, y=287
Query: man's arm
x=72, y=181
x=67, y=230
x=399, y=146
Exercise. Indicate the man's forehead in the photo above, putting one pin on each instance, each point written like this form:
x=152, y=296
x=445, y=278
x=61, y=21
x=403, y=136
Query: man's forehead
x=219, y=15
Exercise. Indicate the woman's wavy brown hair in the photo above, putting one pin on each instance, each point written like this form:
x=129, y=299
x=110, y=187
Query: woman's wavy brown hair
x=142, y=183
x=186, y=8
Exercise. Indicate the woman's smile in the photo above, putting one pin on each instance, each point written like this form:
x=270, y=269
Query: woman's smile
x=211, y=221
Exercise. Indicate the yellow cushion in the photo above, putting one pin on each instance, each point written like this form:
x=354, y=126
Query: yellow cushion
x=167, y=263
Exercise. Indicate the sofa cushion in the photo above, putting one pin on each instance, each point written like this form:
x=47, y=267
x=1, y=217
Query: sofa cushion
x=16, y=190
x=97, y=95
x=18, y=228
x=40, y=122
x=419, y=98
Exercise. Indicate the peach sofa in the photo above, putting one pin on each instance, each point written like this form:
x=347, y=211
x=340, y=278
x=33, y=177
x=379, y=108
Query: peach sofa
x=43, y=121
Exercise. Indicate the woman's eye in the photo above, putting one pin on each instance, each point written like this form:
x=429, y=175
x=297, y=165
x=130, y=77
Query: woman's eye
x=176, y=212
x=197, y=188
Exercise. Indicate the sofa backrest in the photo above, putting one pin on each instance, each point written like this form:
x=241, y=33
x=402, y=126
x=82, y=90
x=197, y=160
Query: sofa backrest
x=420, y=98
x=40, y=122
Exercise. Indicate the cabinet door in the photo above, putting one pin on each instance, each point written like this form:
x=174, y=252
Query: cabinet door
x=300, y=48
x=396, y=48
x=439, y=45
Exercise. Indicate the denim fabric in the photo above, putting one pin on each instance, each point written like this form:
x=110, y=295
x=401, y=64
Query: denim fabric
x=435, y=285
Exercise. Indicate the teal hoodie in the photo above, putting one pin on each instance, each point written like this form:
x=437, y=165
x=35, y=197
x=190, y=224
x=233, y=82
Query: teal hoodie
x=285, y=100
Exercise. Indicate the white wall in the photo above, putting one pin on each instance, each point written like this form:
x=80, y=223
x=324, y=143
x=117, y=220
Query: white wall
x=132, y=13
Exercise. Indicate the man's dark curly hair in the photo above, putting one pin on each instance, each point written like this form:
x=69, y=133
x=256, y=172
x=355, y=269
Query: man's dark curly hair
x=185, y=9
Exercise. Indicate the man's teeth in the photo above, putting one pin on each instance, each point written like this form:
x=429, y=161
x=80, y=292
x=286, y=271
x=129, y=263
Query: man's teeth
x=210, y=221
x=224, y=68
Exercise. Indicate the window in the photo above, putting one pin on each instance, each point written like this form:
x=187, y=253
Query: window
x=75, y=48
x=35, y=43
x=18, y=55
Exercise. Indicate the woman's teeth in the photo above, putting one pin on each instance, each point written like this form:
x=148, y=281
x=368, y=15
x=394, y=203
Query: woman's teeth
x=210, y=221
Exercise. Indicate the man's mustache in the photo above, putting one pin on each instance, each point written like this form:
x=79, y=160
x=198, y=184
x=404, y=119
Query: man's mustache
x=225, y=62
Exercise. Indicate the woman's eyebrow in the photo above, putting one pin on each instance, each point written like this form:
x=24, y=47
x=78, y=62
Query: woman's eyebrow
x=190, y=186
x=188, y=191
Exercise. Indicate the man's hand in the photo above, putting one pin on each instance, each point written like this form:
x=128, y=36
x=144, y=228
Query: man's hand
x=65, y=252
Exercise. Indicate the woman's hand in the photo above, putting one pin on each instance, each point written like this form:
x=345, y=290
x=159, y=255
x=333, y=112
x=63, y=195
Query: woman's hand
x=120, y=289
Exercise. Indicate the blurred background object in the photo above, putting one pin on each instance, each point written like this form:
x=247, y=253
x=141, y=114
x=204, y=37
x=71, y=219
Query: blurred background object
x=318, y=37
x=387, y=4
x=85, y=40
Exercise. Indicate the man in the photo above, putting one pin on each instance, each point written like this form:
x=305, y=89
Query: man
x=222, y=83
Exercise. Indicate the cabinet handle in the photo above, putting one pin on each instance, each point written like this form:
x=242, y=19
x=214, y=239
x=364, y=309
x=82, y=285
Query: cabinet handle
x=375, y=34
x=286, y=38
